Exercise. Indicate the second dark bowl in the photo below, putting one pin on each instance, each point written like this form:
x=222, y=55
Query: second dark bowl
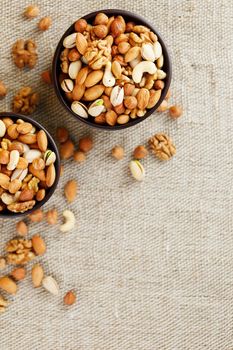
x=52, y=145
x=128, y=16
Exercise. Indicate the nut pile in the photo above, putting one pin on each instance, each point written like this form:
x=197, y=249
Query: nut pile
x=25, y=101
x=26, y=165
x=111, y=70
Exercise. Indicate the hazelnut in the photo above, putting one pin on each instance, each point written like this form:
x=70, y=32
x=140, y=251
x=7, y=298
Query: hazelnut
x=85, y=144
x=40, y=195
x=100, y=31
x=19, y=273
x=117, y=26
x=31, y=11
x=130, y=102
x=128, y=89
x=73, y=55
x=67, y=149
x=62, y=134
x=129, y=27
x=3, y=90
x=80, y=25
x=21, y=228
x=46, y=77
x=159, y=85
x=140, y=152
x=118, y=152
x=69, y=298
x=101, y=119
x=101, y=18
x=45, y=23
x=51, y=217
x=79, y=156
x=123, y=47
x=120, y=109
x=175, y=111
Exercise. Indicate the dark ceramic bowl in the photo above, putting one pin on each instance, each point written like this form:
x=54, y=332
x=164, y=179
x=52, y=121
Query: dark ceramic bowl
x=51, y=145
x=128, y=16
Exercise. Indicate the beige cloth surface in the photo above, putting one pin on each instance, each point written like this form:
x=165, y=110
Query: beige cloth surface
x=152, y=263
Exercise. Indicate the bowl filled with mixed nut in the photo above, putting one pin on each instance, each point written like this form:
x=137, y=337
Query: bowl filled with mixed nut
x=29, y=165
x=111, y=69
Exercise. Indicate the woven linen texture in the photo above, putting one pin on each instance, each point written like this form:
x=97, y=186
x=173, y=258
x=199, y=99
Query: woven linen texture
x=152, y=262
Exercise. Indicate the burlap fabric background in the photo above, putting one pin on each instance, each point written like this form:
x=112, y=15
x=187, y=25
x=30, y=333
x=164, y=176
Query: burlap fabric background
x=152, y=263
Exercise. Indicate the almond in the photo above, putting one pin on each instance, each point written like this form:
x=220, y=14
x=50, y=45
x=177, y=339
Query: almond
x=111, y=118
x=70, y=190
x=8, y=285
x=42, y=140
x=50, y=175
x=81, y=43
x=21, y=228
x=12, y=131
x=116, y=69
x=26, y=195
x=132, y=53
x=93, y=78
x=14, y=186
x=66, y=150
x=28, y=139
x=19, y=273
x=82, y=75
x=38, y=245
x=40, y=195
x=78, y=92
x=143, y=97
x=37, y=275
x=4, y=156
x=94, y=92
x=154, y=98
x=69, y=298
x=24, y=128
x=22, y=163
x=4, y=181
x=37, y=173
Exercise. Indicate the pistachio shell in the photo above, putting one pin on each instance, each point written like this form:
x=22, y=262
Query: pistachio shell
x=49, y=157
x=96, y=108
x=79, y=109
x=137, y=170
x=70, y=41
x=74, y=68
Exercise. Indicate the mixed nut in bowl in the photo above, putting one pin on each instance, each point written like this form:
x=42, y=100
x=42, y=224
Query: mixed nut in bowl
x=29, y=165
x=111, y=69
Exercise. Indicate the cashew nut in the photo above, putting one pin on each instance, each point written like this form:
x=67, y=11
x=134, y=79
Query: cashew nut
x=108, y=78
x=32, y=154
x=143, y=67
x=14, y=158
x=19, y=174
x=117, y=96
x=157, y=50
x=69, y=221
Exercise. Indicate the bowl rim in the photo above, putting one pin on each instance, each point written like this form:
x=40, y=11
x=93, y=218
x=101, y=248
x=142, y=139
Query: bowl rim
x=57, y=164
x=137, y=18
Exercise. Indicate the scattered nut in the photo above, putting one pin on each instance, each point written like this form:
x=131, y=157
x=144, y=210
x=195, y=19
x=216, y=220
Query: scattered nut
x=45, y=23
x=36, y=215
x=25, y=53
x=19, y=251
x=118, y=152
x=162, y=146
x=31, y=11
x=52, y=216
x=37, y=275
x=69, y=298
x=69, y=221
x=8, y=285
x=85, y=144
x=19, y=273
x=66, y=149
x=70, y=190
x=50, y=285
x=79, y=156
x=46, y=77
x=25, y=102
x=22, y=228
x=137, y=170
x=140, y=152
x=175, y=112
x=38, y=245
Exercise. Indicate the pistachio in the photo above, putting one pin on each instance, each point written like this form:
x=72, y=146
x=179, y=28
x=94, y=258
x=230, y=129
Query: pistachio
x=137, y=170
x=67, y=85
x=49, y=157
x=80, y=109
x=70, y=41
x=96, y=108
x=117, y=96
x=32, y=154
x=73, y=70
